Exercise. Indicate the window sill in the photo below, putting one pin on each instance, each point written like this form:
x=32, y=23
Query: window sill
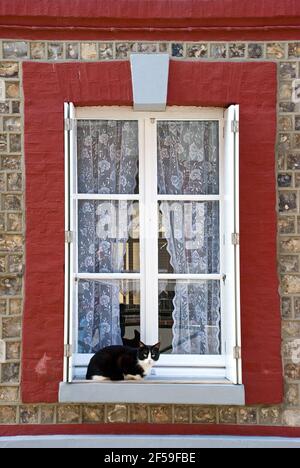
x=153, y=392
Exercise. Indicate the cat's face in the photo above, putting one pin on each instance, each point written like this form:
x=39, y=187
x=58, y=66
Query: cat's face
x=148, y=353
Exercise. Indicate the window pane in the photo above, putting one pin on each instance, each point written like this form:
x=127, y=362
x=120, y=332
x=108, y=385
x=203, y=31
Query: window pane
x=189, y=317
x=188, y=157
x=189, y=237
x=108, y=237
x=107, y=156
x=108, y=314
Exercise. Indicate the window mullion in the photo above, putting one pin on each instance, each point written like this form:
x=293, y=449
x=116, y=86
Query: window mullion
x=151, y=230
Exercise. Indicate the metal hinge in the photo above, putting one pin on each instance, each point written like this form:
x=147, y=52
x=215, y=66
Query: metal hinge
x=70, y=124
x=68, y=350
x=235, y=238
x=235, y=127
x=68, y=237
x=237, y=352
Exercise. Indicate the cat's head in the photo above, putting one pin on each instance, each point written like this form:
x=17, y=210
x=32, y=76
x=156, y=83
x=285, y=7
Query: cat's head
x=146, y=352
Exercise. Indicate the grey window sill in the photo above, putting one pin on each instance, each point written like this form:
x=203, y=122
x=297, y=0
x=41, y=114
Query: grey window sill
x=155, y=392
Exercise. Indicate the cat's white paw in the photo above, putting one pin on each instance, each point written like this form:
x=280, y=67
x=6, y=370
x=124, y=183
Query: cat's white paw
x=132, y=377
x=99, y=378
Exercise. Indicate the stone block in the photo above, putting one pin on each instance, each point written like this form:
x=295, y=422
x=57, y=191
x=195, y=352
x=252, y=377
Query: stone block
x=15, y=306
x=29, y=414
x=288, y=70
x=10, y=373
x=68, y=414
x=89, y=51
x=290, y=284
x=248, y=415
x=291, y=417
x=8, y=414
x=9, y=69
x=237, y=50
x=218, y=51
x=276, y=51
x=15, y=222
x=270, y=416
x=72, y=51
x=255, y=50
x=10, y=286
x=181, y=414
x=286, y=225
x=93, y=414
x=139, y=414
x=13, y=351
x=117, y=413
x=55, y=51
x=289, y=263
x=197, y=50
x=12, y=90
x=15, y=50
x=10, y=163
x=288, y=202
x=38, y=50
x=15, y=143
x=106, y=51
x=47, y=414
x=11, y=327
x=228, y=415
x=11, y=202
x=204, y=415
x=12, y=124
x=292, y=371
x=161, y=414
x=9, y=394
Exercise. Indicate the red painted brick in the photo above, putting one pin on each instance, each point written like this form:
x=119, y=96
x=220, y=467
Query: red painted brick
x=200, y=84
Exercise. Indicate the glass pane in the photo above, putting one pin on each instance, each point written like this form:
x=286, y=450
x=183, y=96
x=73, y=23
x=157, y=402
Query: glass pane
x=108, y=314
x=108, y=237
x=190, y=317
x=189, y=237
x=108, y=153
x=188, y=157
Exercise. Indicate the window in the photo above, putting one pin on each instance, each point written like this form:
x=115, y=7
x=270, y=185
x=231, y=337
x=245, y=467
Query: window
x=151, y=238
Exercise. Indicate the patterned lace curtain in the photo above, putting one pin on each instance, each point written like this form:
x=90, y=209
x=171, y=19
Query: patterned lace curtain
x=188, y=164
x=107, y=164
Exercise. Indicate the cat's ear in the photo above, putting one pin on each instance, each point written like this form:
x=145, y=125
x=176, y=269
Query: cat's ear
x=156, y=346
x=142, y=345
x=137, y=334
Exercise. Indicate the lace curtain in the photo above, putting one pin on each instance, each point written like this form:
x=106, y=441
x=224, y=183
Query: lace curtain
x=107, y=164
x=188, y=164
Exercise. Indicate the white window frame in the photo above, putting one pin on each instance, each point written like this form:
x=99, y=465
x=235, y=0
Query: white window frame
x=226, y=367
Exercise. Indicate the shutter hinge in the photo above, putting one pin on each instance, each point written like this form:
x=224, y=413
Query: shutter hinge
x=68, y=237
x=68, y=351
x=237, y=352
x=69, y=124
x=235, y=127
x=235, y=238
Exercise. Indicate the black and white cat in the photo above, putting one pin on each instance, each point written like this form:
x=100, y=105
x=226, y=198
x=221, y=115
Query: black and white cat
x=123, y=363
